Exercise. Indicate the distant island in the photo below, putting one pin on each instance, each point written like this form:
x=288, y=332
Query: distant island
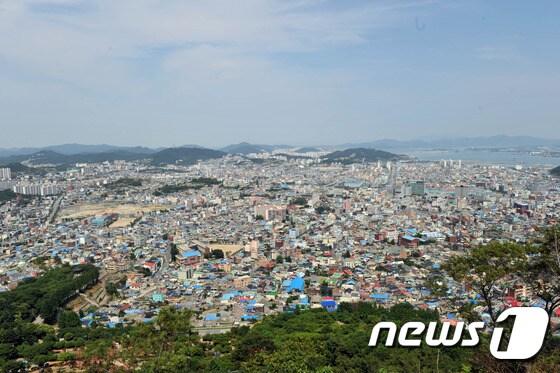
x=359, y=155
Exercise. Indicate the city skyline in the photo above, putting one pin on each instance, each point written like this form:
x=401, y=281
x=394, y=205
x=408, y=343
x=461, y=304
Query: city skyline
x=299, y=72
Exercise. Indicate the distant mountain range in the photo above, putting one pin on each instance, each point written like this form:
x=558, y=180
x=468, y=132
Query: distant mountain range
x=244, y=148
x=67, y=154
x=359, y=155
x=71, y=149
x=181, y=155
x=555, y=171
x=50, y=157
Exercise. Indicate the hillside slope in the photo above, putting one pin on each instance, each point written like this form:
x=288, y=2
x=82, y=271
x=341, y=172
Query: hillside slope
x=359, y=155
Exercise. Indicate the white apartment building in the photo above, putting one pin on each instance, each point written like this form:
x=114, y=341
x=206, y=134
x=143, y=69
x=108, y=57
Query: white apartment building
x=5, y=174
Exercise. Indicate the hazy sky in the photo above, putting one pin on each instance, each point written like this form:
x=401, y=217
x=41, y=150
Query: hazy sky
x=213, y=72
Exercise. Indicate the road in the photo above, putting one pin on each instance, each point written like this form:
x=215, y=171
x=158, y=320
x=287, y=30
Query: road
x=54, y=209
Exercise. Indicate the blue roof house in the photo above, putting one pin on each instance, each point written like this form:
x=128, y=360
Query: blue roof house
x=329, y=305
x=380, y=297
x=296, y=284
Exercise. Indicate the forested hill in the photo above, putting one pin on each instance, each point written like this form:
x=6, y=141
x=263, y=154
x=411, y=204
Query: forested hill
x=22, y=335
x=306, y=341
x=359, y=155
x=181, y=155
x=184, y=155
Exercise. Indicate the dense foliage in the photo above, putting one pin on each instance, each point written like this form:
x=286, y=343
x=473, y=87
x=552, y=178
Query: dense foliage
x=169, y=189
x=124, y=182
x=196, y=183
x=205, y=181
x=7, y=195
x=302, y=341
x=21, y=336
x=317, y=341
x=44, y=295
x=306, y=341
x=299, y=201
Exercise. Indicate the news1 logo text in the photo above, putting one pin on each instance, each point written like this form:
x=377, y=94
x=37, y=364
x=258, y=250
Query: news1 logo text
x=525, y=340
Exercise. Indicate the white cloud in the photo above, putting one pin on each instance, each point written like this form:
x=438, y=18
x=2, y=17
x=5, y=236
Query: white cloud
x=104, y=46
x=99, y=66
x=65, y=43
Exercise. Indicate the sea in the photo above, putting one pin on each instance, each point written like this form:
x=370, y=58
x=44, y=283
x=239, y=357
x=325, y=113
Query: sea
x=507, y=158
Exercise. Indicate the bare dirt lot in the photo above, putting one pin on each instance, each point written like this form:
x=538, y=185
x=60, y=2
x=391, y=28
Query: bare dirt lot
x=127, y=212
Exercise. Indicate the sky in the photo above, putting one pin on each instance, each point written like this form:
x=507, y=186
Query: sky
x=215, y=72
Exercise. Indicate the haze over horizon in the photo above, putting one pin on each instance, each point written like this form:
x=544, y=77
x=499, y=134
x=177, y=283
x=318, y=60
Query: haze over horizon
x=497, y=141
x=301, y=72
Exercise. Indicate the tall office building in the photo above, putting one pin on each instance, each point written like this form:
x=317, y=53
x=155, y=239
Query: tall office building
x=417, y=188
x=462, y=191
x=393, y=174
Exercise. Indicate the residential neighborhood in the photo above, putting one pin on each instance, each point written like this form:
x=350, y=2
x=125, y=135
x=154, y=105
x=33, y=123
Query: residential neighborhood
x=237, y=238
